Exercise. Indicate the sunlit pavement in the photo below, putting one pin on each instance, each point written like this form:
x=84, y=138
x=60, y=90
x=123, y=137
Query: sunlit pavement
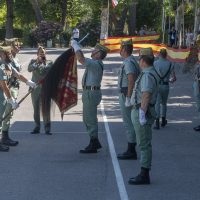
x=50, y=167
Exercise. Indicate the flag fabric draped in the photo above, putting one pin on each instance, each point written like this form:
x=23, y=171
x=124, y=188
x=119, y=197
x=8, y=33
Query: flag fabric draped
x=60, y=84
x=114, y=3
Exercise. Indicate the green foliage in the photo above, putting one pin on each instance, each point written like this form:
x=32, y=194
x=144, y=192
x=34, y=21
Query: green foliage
x=18, y=33
x=86, y=15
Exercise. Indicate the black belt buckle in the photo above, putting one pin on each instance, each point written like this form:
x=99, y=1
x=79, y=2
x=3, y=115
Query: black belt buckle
x=92, y=88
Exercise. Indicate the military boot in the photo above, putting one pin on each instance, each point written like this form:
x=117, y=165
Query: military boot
x=157, y=124
x=47, y=129
x=129, y=154
x=164, y=122
x=36, y=130
x=7, y=141
x=197, y=128
x=93, y=146
x=141, y=179
x=4, y=148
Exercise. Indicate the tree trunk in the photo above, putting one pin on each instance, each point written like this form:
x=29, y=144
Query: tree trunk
x=197, y=20
x=119, y=31
x=9, y=19
x=37, y=10
x=179, y=23
x=132, y=19
x=64, y=13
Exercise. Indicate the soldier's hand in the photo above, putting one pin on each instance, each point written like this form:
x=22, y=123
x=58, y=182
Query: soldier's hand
x=13, y=103
x=142, y=117
x=75, y=45
x=128, y=102
x=31, y=84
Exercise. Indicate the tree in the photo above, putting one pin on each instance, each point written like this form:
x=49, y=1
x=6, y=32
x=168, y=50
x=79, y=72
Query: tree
x=64, y=13
x=36, y=8
x=197, y=19
x=9, y=19
x=132, y=18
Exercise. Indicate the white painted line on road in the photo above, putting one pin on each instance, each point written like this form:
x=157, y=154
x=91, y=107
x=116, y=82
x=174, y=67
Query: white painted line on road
x=117, y=170
x=53, y=131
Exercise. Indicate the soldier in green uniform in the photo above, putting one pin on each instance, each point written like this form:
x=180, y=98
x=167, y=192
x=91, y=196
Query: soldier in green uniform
x=196, y=89
x=166, y=73
x=7, y=71
x=143, y=113
x=127, y=76
x=14, y=84
x=39, y=68
x=91, y=96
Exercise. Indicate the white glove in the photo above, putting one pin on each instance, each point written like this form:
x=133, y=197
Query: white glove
x=142, y=117
x=75, y=45
x=31, y=84
x=13, y=103
x=128, y=102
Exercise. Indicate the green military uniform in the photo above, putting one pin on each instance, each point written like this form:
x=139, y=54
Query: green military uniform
x=196, y=89
x=14, y=90
x=38, y=73
x=6, y=73
x=196, y=85
x=91, y=96
x=129, y=66
x=163, y=68
x=146, y=82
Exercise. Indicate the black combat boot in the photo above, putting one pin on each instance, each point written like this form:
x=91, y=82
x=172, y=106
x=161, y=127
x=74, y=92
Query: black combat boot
x=93, y=146
x=157, y=124
x=129, y=154
x=197, y=128
x=141, y=179
x=47, y=129
x=4, y=148
x=164, y=122
x=7, y=141
x=36, y=130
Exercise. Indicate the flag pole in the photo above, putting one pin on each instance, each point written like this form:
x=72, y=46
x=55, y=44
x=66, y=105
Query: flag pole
x=108, y=17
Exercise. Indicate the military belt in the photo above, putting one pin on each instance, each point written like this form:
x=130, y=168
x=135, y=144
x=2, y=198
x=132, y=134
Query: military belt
x=137, y=106
x=91, y=87
x=163, y=83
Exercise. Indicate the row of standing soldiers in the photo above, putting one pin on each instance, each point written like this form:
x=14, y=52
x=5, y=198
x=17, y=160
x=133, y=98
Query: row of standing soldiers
x=142, y=88
x=10, y=77
x=138, y=86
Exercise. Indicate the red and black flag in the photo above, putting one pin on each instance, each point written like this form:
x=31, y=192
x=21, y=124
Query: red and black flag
x=60, y=84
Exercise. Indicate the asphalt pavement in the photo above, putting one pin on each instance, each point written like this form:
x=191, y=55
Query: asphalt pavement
x=45, y=167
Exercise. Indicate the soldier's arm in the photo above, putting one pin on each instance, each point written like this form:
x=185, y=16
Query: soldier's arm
x=173, y=75
x=18, y=75
x=80, y=57
x=146, y=98
x=32, y=65
x=131, y=83
x=44, y=68
x=5, y=88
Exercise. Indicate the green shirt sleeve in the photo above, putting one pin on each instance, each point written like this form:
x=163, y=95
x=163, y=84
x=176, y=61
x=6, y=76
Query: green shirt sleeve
x=32, y=65
x=129, y=68
x=3, y=76
x=148, y=83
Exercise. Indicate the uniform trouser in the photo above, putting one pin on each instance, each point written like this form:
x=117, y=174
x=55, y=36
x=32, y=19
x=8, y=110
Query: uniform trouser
x=197, y=94
x=161, y=101
x=36, y=101
x=126, y=115
x=91, y=99
x=3, y=103
x=6, y=123
x=144, y=136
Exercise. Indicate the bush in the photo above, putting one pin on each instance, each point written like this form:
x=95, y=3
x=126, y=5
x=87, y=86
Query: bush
x=45, y=31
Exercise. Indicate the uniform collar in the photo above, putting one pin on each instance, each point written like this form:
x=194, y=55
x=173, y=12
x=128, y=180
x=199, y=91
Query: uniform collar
x=147, y=69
